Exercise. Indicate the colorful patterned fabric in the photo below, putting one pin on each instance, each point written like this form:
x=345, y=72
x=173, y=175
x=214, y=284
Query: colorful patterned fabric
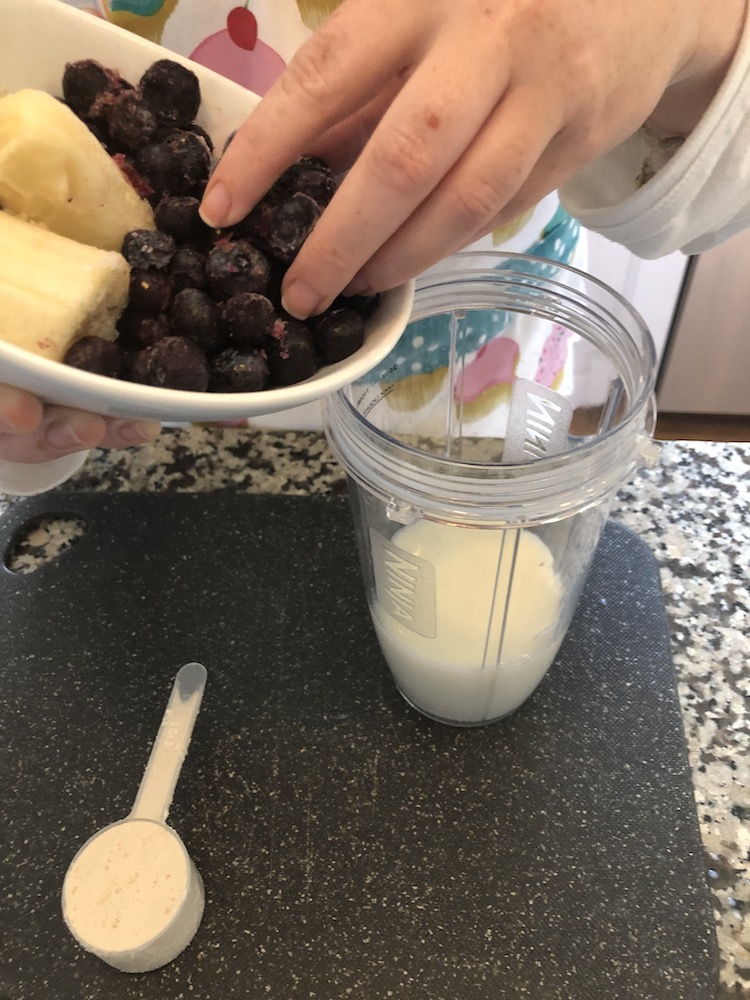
x=556, y=244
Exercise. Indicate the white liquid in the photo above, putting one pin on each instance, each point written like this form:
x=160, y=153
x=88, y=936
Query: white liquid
x=497, y=602
x=132, y=896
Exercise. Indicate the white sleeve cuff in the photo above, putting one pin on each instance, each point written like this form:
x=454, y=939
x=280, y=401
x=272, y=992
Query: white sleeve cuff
x=22, y=480
x=700, y=197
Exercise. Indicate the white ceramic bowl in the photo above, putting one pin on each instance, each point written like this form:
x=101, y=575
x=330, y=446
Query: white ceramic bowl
x=37, y=39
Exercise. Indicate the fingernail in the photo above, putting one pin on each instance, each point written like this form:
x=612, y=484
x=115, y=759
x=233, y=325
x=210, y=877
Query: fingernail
x=139, y=431
x=215, y=207
x=299, y=300
x=63, y=437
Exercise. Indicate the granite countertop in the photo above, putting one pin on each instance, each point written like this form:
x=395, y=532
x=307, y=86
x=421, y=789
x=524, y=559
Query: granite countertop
x=693, y=510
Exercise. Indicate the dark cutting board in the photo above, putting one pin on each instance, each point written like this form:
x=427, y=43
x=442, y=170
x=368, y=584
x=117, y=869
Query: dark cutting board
x=349, y=847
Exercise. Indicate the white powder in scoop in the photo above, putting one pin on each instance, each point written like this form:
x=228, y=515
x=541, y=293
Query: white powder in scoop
x=125, y=886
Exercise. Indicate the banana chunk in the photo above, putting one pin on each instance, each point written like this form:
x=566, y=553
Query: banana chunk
x=53, y=290
x=54, y=171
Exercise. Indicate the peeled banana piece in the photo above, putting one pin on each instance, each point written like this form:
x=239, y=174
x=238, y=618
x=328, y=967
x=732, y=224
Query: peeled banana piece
x=54, y=290
x=54, y=171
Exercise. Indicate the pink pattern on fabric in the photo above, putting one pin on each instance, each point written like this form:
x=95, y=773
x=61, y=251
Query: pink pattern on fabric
x=495, y=364
x=255, y=69
x=553, y=356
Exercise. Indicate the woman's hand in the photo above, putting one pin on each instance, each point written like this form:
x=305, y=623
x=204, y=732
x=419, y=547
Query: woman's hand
x=456, y=117
x=31, y=432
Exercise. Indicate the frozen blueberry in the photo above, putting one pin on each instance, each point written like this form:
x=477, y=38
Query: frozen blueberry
x=192, y=156
x=192, y=127
x=286, y=226
x=256, y=222
x=173, y=363
x=139, y=331
x=215, y=237
x=310, y=176
x=291, y=352
x=179, y=217
x=238, y=371
x=338, y=334
x=176, y=164
x=155, y=164
x=94, y=354
x=84, y=81
x=130, y=121
x=99, y=115
x=195, y=315
x=150, y=291
x=148, y=249
x=172, y=91
x=365, y=305
x=136, y=367
x=136, y=180
x=100, y=132
x=248, y=319
x=188, y=268
x=236, y=266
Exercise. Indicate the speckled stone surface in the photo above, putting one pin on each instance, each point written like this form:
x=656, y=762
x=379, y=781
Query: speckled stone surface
x=693, y=510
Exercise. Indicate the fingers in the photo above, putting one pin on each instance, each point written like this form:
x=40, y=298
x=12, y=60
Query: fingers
x=129, y=433
x=478, y=109
x=59, y=432
x=559, y=163
x=32, y=433
x=424, y=132
x=501, y=171
x=336, y=73
x=343, y=142
x=20, y=412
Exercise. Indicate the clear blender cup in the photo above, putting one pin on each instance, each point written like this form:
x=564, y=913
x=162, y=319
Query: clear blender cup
x=482, y=458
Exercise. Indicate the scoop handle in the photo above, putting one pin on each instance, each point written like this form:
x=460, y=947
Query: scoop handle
x=171, y=744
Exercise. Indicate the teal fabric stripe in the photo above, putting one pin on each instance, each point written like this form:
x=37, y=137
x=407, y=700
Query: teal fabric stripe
x=143, y=8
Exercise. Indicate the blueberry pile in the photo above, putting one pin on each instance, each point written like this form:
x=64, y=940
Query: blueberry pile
x=204, y=310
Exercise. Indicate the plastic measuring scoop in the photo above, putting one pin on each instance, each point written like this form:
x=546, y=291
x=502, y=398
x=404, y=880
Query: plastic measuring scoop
x=132, y=894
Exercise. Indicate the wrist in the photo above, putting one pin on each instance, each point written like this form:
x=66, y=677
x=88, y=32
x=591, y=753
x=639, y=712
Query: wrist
x=694, y=87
